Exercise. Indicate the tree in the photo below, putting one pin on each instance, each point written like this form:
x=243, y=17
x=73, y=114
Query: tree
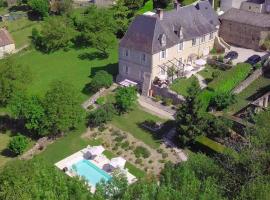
x=134, y=4
x=101, y=115
x=100, y=80
x=161, y=3
x=97, y=28
x=36, y=179
x=13, y=78
x=40, y=7
x=222, y=100
x=18, y=144
x=125, y=98
x=121, y=15
x=61, y=6
x=56, y=33
x=30, y=110
x=62, y=107
x=266, y=43
x=188, y=119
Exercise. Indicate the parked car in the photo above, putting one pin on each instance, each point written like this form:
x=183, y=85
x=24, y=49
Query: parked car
x=253, y=60
x=232, y=55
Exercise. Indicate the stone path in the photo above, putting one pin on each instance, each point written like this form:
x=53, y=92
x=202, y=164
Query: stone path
x=156, y=108
x=201, y=80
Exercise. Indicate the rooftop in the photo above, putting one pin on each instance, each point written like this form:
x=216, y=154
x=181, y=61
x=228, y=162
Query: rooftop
x=5, y=38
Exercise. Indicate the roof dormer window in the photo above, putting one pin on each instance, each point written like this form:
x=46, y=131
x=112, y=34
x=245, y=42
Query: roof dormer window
x=163, y=40
x=180, y=34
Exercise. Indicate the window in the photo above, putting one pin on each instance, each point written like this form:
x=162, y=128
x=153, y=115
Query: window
x=193, y=41
x=179, y=62
x=211, y=36
x=126, y=69
x=163, y=54
x=143, y=58
x=203, y=39
x=180, y=46
x=126, y=52
x=163, y=40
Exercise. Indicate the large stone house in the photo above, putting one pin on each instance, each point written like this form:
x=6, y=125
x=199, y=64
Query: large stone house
x=7, y=45
x=244, y=28
x=258, y=6
x=155, y=41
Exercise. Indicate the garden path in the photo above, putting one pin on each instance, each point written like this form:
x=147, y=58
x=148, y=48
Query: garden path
x=201, y=80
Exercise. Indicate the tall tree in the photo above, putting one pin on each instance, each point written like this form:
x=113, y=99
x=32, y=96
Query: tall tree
x=125, y=99
x=134, y=4
x=63, y=110
x=36, y=179
x=40, y=7
x=13, y=78
x=188, y=119
x=56, y=32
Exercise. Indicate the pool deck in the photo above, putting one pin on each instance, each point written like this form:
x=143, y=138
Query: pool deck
x=99, y=161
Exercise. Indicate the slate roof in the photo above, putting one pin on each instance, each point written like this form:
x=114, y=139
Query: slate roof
x=5, y=38
x=145, y=31
x=246, y=17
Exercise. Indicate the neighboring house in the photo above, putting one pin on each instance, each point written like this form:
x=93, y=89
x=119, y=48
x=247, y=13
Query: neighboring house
x=226, y=5
x=259, y=6
x=156, y=41
x=7, y=45
x=98, y=3
x=244, y=28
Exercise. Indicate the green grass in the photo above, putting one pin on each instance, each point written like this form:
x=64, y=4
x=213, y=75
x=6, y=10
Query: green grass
x=208, y=71
x=225, y=82
x=72, y=143
x=148, y=6
x=21, y=30
x=187, y=2
x=131, y=121
x=4, y=140
x=182, y=84
x=66, y=66
x=242, y=98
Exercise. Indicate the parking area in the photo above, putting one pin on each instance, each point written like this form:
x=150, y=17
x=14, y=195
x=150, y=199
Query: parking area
x=244, y=54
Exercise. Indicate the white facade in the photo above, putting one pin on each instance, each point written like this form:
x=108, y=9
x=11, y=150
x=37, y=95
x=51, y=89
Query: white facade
x=8, y=49
x=226, y=5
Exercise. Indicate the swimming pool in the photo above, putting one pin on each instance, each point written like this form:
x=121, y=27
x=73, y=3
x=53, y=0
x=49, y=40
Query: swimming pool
x=90, y=172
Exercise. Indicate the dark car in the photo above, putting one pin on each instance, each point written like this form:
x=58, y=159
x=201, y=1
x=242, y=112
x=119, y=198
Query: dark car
x=232, y=55
x=253, y=60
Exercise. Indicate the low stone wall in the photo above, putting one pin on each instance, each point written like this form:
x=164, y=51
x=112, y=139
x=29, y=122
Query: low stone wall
x=244, y=84
x=167, y=93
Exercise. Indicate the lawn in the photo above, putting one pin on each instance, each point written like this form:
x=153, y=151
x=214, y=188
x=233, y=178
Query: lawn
x=243, y=98
x=72, y=143
x=148, y=6
x=4, y=140
x=208, y=72
x=21, y=30
x=131, y=121
x=225, y=82
x=76, y=66
x=182, y=84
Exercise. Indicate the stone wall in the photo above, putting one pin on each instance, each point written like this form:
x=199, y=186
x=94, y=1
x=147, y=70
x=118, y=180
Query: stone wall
x=244, y=84
x=167, y=93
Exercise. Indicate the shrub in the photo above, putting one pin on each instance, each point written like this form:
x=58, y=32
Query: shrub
x=258, y=65
x=125, y=145
x=157, y=98
x=18, y=144
x=100, y=101
x=220, y=58
x=138, y=161
x=125, y=98
x=101, y=115
x=141, y=151
x=213, y=51
x=119, y=138
x=164, y=155
x=215, y=74
x=167, y=101
x=100, y=80
x=222, y=100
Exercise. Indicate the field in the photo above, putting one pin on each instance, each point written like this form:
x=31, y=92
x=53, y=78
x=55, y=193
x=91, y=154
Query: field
x=245, y=96
x=131, y=121
x=74, y=66
x=4, y=140
x=182, y=84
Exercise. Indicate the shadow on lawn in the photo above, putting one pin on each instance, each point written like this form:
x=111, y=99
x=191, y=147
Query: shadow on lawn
x=8, y=153
x=92, y=56
x=111, y=68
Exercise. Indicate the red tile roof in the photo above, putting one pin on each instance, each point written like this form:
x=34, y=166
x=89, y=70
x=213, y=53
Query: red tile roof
x=5, y=38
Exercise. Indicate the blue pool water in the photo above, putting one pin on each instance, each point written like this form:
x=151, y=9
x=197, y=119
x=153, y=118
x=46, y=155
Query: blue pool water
x=90, y=172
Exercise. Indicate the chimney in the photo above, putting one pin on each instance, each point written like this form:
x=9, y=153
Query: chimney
x=176, y=5
x=160, y=13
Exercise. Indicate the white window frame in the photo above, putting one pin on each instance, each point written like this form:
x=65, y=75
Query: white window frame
x=180, y=46
x=203, y=39
x=211, y=36
x=194, y=42
x=162, y=72
x=126, y=69
x=161, y=54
